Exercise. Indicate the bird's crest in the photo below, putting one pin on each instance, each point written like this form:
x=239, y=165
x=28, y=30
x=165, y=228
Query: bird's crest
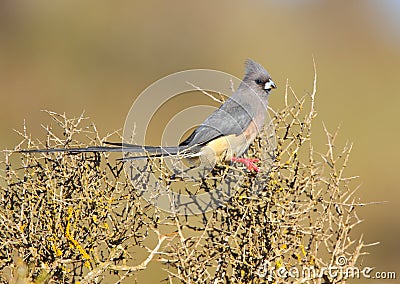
x=253, y=67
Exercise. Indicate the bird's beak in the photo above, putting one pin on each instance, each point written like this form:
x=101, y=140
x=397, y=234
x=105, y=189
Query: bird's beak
x=269, y=85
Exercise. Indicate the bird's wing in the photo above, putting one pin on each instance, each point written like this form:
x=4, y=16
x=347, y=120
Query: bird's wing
x=232, y=118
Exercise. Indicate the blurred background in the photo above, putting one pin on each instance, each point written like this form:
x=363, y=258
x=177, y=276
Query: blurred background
x=97, y=56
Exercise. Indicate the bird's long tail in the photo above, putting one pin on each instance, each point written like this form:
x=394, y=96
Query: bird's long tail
x=150, y=151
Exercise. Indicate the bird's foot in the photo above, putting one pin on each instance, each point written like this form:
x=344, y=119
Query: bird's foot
x=248, y=162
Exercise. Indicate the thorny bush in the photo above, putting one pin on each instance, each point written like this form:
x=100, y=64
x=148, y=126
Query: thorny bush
x=70, y=218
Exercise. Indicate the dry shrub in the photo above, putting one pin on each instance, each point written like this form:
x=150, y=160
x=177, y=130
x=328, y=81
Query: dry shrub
x=69, y=218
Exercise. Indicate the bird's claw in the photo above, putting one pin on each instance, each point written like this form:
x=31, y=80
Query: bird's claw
x=248, y=162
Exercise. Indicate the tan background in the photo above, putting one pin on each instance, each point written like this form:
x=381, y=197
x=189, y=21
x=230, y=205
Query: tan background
x=70, y=56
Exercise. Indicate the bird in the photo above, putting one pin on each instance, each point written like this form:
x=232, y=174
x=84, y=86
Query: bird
x=223, y=136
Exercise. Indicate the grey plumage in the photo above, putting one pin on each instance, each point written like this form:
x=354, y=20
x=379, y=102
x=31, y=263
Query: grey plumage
x=235, y=115
x=239, y=120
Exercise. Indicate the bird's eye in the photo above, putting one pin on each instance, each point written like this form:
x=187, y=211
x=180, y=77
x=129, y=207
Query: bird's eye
x=258, y=82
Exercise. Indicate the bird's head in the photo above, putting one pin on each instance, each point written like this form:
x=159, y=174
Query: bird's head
x=257, y=77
